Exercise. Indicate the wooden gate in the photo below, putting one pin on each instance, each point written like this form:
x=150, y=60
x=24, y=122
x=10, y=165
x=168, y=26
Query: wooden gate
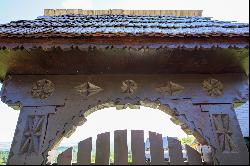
x=137, y=150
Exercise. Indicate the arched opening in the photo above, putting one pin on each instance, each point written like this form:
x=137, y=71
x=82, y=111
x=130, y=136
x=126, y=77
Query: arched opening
x=148, y=116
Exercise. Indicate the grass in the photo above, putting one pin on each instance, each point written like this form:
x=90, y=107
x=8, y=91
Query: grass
x=3, y=157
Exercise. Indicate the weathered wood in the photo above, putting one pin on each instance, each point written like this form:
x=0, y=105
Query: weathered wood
x=156, y=149
x=120, y=147
x=194, y=157
x=228, y=141
x=18, y=88
x=84, y=152
x=102, y=149
x=175, y=152
x=138, y=147
x=55, y=12
x=64, y=109
x=65, y=157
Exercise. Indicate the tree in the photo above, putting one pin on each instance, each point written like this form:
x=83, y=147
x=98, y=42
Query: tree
x=189, y=140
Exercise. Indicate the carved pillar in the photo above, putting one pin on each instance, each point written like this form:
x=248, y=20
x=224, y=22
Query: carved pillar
x=29, y=135
x=228, y=144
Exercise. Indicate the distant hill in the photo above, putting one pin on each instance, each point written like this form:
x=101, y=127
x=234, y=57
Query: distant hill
x=5, y=146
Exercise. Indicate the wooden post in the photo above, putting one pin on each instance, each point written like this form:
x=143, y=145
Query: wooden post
x=120, y=147
x=84, y=152
x=102, y=149
x=138, y=147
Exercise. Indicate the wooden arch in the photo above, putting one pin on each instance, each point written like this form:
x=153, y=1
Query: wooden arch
x=53, y=106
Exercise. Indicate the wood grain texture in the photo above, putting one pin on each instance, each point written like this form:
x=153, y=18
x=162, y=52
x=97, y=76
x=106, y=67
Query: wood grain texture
x=175, y=152
x=156, y=149
x=120, y=147
x=194, y=157
x=65, y=109
x=240, y=154
x=18, y=88
x=56, y=12
x=65, y=157
x=138, y=147
x=84, y=152
x=102, y=149
x=158, y=61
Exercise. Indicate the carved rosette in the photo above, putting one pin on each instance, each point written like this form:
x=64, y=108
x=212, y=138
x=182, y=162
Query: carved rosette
x=32, y=134
x=223, y=131
x=88, y=89
x=213, y=87
x=129, y=86
x=42, y=89
x=170, y=88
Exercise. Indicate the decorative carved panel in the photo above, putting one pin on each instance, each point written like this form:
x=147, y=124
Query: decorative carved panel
x=32, y=134
x=88, y=89
x=213, y=87
x=170, y=88
x=42, y=89
x=129, y=86
x=224, y=133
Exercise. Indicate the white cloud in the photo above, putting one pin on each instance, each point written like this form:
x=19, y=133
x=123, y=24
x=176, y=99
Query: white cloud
x=77, y=4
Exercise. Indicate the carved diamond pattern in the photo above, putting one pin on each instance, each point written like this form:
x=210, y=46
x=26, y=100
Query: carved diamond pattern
x=171, y=88
x=88, y=89
x=32, y=134
x=224, y=133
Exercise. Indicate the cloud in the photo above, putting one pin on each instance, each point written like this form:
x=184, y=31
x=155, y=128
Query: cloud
x=77, y=4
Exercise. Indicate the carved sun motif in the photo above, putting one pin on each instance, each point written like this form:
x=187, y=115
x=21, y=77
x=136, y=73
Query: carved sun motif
x=213, y=87
x=129, y=86
x=42, y=89
x=170, y=87
x=32, y=134
x=88, y=89
x=224, y=133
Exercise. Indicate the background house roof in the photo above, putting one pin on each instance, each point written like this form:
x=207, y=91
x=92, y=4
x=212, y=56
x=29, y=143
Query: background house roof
x=242, y=114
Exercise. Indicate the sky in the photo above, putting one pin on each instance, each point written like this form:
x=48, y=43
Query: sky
x=10, y=10
x=110, y=119
x=231, y=10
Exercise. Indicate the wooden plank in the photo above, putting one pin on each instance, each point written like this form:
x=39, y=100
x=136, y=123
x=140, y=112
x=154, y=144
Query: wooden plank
x=194, y=157
x=120, y=147
x=156, y=149
x=84, y=152
x=175, y=152
x=102, y=149
x=65, y=157
x=138, y=147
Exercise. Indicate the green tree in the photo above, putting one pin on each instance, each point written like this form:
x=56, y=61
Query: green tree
x=3, y=157
x=189, y=140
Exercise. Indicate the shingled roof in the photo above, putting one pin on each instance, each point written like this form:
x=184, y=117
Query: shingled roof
x=79, y=25
x=118, y=41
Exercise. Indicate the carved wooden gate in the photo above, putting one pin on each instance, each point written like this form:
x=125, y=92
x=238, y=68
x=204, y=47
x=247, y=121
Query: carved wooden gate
x=137, y=149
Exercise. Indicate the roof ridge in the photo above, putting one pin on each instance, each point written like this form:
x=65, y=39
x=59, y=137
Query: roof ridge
x=56, y=12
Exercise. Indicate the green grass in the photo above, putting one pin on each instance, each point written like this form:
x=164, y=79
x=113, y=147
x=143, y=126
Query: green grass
x=3, y=157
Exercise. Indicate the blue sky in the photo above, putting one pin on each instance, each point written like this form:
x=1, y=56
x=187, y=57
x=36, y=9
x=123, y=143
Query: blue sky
x=231, y=10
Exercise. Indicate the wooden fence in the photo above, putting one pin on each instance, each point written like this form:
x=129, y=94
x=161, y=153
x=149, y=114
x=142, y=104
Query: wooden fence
x=137, y=149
